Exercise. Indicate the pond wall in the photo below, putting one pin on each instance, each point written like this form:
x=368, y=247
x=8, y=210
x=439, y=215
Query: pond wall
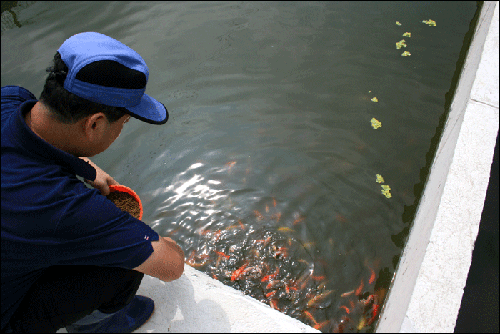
x=428, y=285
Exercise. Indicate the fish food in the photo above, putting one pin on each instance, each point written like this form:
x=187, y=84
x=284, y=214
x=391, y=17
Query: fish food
x=125, y=202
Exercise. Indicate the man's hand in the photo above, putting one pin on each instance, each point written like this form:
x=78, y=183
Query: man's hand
x=102, y=179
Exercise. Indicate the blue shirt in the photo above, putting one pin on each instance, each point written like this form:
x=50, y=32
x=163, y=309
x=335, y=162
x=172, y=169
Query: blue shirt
x=49, y=217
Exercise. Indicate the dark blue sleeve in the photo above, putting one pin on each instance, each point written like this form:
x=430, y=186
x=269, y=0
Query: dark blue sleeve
x=93, y=231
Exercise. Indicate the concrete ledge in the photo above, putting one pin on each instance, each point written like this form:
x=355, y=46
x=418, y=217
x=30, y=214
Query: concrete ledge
x=198, y=303
x=428, y=286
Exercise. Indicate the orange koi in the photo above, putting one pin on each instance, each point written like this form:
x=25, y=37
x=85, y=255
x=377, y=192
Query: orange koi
x=274, y=202
x=274, y=304
x=272, y=284
x=204, y=232
x=281, y=251
x=236, y=274
x=230, y=164
x=345, y=308
x=265, y=241
x=285, y=229
x=276, y=216
x=310, y=317
x=318, y=278
x=360, y=288
x=174, y=231
x=346, y=294
x=318, y=298
x=258, y=214
x=267, y=208
x=341, y=218
x=287, y=289
x=267, y=277
x=376, y=308
x=223, y=255
x=196, y=264
x=241, y=225
x=321, y=325
x=270, y=293
x=372, y=277
x=217, y=235
x=298, y=220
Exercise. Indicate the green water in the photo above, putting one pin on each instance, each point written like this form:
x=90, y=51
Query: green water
x=269, y=156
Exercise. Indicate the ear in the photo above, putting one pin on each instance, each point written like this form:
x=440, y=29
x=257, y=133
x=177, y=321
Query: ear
x=95, y=126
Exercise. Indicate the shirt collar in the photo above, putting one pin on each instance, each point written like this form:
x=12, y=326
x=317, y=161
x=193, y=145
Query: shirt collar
x=37, y=146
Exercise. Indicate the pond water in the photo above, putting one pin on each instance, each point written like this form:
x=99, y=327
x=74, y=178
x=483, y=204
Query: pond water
x=266, y=172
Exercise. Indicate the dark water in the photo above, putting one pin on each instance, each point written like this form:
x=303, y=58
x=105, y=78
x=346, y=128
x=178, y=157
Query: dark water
x=269, y=159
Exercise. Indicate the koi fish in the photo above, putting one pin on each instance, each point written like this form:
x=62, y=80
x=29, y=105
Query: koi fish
x=270, y=293
x=274, y=304
x=223, y=255
x=241, y=225
x=281, y=251
x=345, y=308
x=318, y=298
x=267, y=277
x=265, y=241
x=310, y=317
x=346, y=294
x=372, y=277
x=236, y=274
x=274, y=202
x=321, y=325
x=230, y=164
x=360, y=288
x=376, y=308
x=285, y=229
x=196, y=264
x=276, y=216
x=318, y=278
x=341, y=218
x=258, y=214
x=298, y=220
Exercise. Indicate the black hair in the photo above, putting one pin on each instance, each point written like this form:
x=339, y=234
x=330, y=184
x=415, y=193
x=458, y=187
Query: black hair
x=67, y=107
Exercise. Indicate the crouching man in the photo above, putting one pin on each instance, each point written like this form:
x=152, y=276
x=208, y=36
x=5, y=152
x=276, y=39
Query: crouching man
x=70, y=257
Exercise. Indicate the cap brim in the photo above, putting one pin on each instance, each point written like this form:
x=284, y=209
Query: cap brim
x=149, y=111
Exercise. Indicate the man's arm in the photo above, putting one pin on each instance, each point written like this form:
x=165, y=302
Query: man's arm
x=102, y=180
x=166, y=262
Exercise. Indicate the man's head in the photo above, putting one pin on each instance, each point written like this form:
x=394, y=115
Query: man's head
x=95, y=84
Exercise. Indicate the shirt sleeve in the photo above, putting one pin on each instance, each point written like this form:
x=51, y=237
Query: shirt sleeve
x=93, y=231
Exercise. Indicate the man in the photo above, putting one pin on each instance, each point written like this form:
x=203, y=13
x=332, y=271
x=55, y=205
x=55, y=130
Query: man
x=70, y=257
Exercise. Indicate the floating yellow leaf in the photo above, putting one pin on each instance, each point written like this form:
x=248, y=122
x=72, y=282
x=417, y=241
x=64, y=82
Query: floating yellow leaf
x=374, y=99
x=407, y=34
x=406, y=53
x=375, y=123
x=400, y=44
x=380, y=179
x=386, y=191
x=397, y=22
x=430, y=22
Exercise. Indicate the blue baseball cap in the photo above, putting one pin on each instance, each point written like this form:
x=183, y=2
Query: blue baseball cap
x=106, y=71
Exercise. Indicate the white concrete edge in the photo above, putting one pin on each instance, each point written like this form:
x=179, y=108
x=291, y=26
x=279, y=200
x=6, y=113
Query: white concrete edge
x=428, y=285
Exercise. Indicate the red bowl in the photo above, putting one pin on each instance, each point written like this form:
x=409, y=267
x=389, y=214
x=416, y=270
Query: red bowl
x=127, y=190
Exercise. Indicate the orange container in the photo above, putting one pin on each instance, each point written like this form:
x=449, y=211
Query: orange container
x=127, y=190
